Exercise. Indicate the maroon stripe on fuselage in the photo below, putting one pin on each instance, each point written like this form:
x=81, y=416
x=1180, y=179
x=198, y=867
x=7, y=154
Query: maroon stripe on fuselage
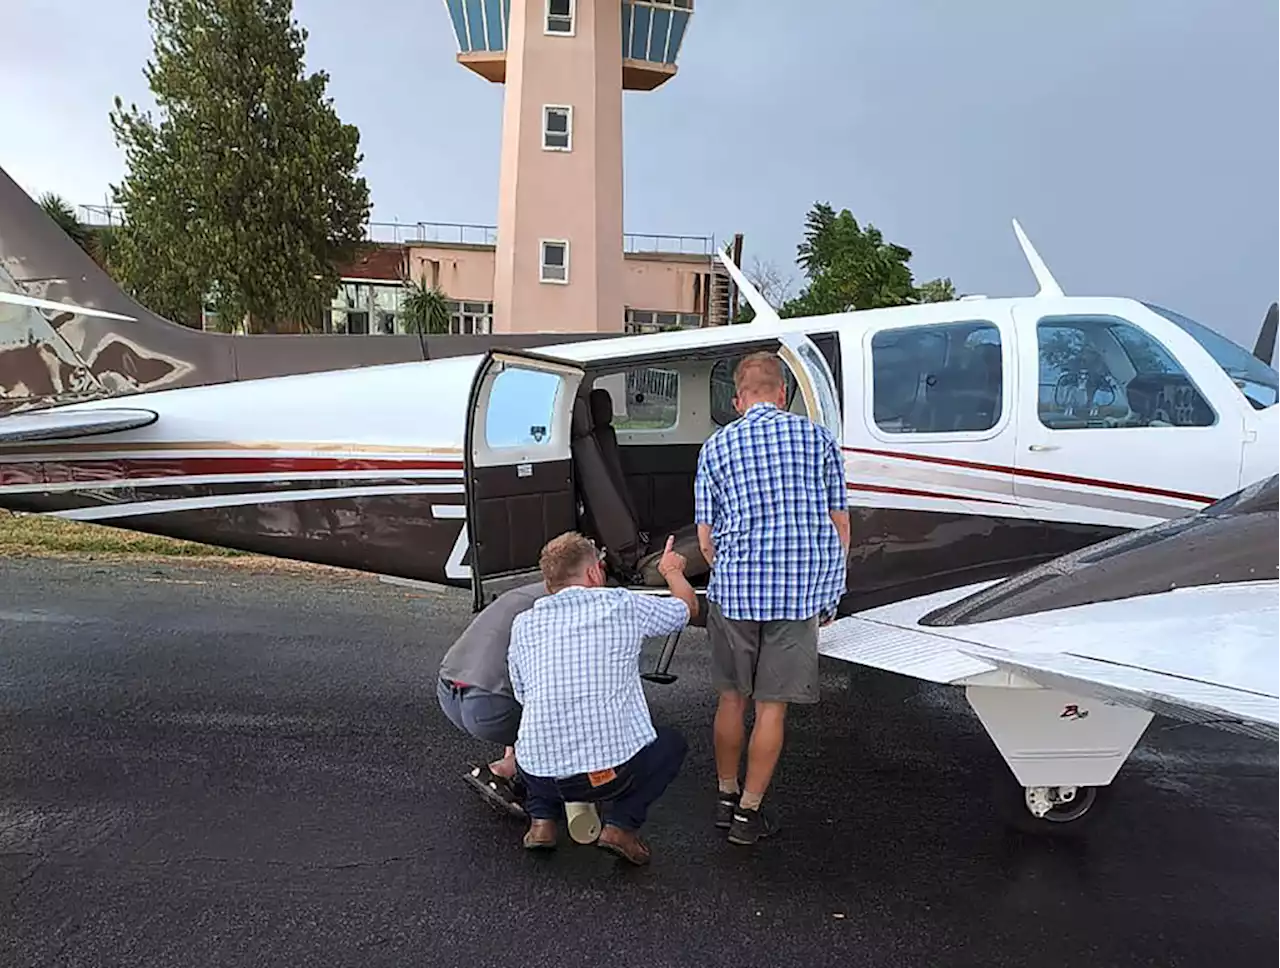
x=171, y=488
x=1036, y=474
x=913, y=492
x=60, y=471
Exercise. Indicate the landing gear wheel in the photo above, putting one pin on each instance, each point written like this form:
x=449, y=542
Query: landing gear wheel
x=1049, y=811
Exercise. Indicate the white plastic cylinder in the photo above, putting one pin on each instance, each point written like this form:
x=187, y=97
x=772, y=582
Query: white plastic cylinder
x=584, y=822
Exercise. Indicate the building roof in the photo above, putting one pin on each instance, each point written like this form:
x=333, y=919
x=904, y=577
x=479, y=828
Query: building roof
x=377, y=260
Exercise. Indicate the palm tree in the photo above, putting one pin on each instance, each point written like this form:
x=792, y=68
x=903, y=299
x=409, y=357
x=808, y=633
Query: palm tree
x=424, y=309
x=56, y=207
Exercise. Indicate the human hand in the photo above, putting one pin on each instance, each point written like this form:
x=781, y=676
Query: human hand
x=670, y=563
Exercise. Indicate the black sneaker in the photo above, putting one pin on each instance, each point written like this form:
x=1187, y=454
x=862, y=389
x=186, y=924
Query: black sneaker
x=748, y=826
x=725, y=806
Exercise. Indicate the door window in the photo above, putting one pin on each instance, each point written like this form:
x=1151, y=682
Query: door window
x=937, y=379
x=521, y=409
x=1102, y=372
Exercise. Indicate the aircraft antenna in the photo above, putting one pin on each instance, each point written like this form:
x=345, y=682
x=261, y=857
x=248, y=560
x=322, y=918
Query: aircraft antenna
x=764, y=312
x=1048, y=285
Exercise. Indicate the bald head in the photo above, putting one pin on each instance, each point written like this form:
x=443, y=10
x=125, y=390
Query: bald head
x=759, y=379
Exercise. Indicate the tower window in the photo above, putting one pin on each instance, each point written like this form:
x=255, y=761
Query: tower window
x=555, y=261
x=560, y=17
x=557, y=128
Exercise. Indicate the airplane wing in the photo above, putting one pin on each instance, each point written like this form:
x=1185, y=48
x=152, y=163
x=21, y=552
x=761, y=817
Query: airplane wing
x=888, y=638
x=67, y=422
x=1204, y=655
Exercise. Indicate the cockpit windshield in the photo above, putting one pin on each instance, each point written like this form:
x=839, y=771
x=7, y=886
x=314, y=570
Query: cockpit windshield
x=1259, y=383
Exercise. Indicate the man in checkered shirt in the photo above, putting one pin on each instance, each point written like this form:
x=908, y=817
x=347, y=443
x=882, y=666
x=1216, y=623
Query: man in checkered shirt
x=585, y=734
x=773, y=522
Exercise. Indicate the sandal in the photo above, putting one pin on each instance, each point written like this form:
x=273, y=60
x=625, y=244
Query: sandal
x=498, y=791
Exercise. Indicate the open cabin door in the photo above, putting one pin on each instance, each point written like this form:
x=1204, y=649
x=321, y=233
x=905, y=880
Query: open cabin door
x=814, y=378
x=519, y=470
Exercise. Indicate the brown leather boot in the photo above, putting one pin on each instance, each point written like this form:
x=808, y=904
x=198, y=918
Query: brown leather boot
x=625, y=844
x=541, y=835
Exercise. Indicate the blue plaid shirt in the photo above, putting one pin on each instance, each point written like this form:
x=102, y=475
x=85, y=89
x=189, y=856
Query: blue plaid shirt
x=766, y=485
x=575, y=667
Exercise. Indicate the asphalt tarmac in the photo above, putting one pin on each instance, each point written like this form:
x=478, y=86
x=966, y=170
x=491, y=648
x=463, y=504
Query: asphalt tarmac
x=205, y=766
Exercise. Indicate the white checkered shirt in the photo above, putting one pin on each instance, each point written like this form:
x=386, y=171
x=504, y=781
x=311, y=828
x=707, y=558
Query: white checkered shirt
x=767, y=484
x=575, y=667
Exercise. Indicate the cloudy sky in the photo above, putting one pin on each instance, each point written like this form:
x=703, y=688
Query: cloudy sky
x=1136, y=140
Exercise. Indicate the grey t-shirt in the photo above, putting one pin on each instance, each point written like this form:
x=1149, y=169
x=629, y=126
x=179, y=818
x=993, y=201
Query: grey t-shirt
x=479, y=657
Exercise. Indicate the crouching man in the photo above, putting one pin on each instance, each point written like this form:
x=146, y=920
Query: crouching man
x=586, y=735
x=475, y=692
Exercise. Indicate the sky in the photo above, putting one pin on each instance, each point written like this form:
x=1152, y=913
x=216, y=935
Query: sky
x=1135, y=140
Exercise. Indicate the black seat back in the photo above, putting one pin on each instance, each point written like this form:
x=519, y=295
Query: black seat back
x=607, y=512
x=607, y=438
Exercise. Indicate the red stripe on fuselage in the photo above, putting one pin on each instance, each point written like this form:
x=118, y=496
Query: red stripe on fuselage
x=55, y=471
x=1038, y=475
x=912, y=492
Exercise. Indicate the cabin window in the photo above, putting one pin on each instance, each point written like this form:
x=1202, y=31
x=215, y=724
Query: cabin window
x=652, y=400
x=521, y=408
x=1102, y=372
x=937, y=379
x=557, y=127
x=560, y=17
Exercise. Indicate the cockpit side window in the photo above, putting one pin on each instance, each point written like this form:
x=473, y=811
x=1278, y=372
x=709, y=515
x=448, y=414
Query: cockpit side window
x=1099, y=372
x=937, y=379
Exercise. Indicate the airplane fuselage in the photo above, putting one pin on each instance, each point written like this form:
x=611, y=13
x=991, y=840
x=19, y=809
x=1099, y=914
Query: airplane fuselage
x=980, y=438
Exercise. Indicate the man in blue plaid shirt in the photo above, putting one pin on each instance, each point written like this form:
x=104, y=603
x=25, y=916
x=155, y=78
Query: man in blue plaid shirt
x=585, y=733
x=773, y=522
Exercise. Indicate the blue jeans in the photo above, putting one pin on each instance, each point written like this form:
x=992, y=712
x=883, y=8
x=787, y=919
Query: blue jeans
x=626, y=799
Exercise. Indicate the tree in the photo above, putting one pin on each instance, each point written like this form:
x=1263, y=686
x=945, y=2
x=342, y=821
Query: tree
x=245, y=193
x=849, y=266
x=770, y=283
x=424, y=309
x=936, y=290
x=57, y=208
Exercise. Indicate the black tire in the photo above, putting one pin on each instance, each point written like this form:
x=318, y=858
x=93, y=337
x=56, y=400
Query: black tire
x=1069, y=820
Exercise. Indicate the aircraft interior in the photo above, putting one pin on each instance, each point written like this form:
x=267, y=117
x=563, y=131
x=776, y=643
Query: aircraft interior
x=636, y=435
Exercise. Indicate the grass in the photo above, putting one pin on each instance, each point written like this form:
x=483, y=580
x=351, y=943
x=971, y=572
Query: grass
x=42, y=536
x=38, y=534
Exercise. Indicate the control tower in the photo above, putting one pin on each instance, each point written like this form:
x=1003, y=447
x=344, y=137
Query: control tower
x=565, y=64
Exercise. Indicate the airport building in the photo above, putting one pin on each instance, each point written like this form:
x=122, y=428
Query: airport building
x=558, y=259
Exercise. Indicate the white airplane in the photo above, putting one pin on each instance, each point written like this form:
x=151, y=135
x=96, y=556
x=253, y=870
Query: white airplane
x=981, y=436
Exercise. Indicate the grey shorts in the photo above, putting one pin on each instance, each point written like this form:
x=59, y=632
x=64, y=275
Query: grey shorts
x=767, y=661
x=489, y=716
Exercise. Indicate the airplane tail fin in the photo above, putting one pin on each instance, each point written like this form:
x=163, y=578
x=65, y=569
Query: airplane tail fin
x=101, y=342
x=1265, y=348
x=764, y=312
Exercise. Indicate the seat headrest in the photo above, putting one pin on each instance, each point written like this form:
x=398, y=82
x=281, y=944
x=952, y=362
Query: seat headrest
x=601, y=407
x=580, y=425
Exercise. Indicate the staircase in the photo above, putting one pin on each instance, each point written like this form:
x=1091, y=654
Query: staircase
x=720, y=299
